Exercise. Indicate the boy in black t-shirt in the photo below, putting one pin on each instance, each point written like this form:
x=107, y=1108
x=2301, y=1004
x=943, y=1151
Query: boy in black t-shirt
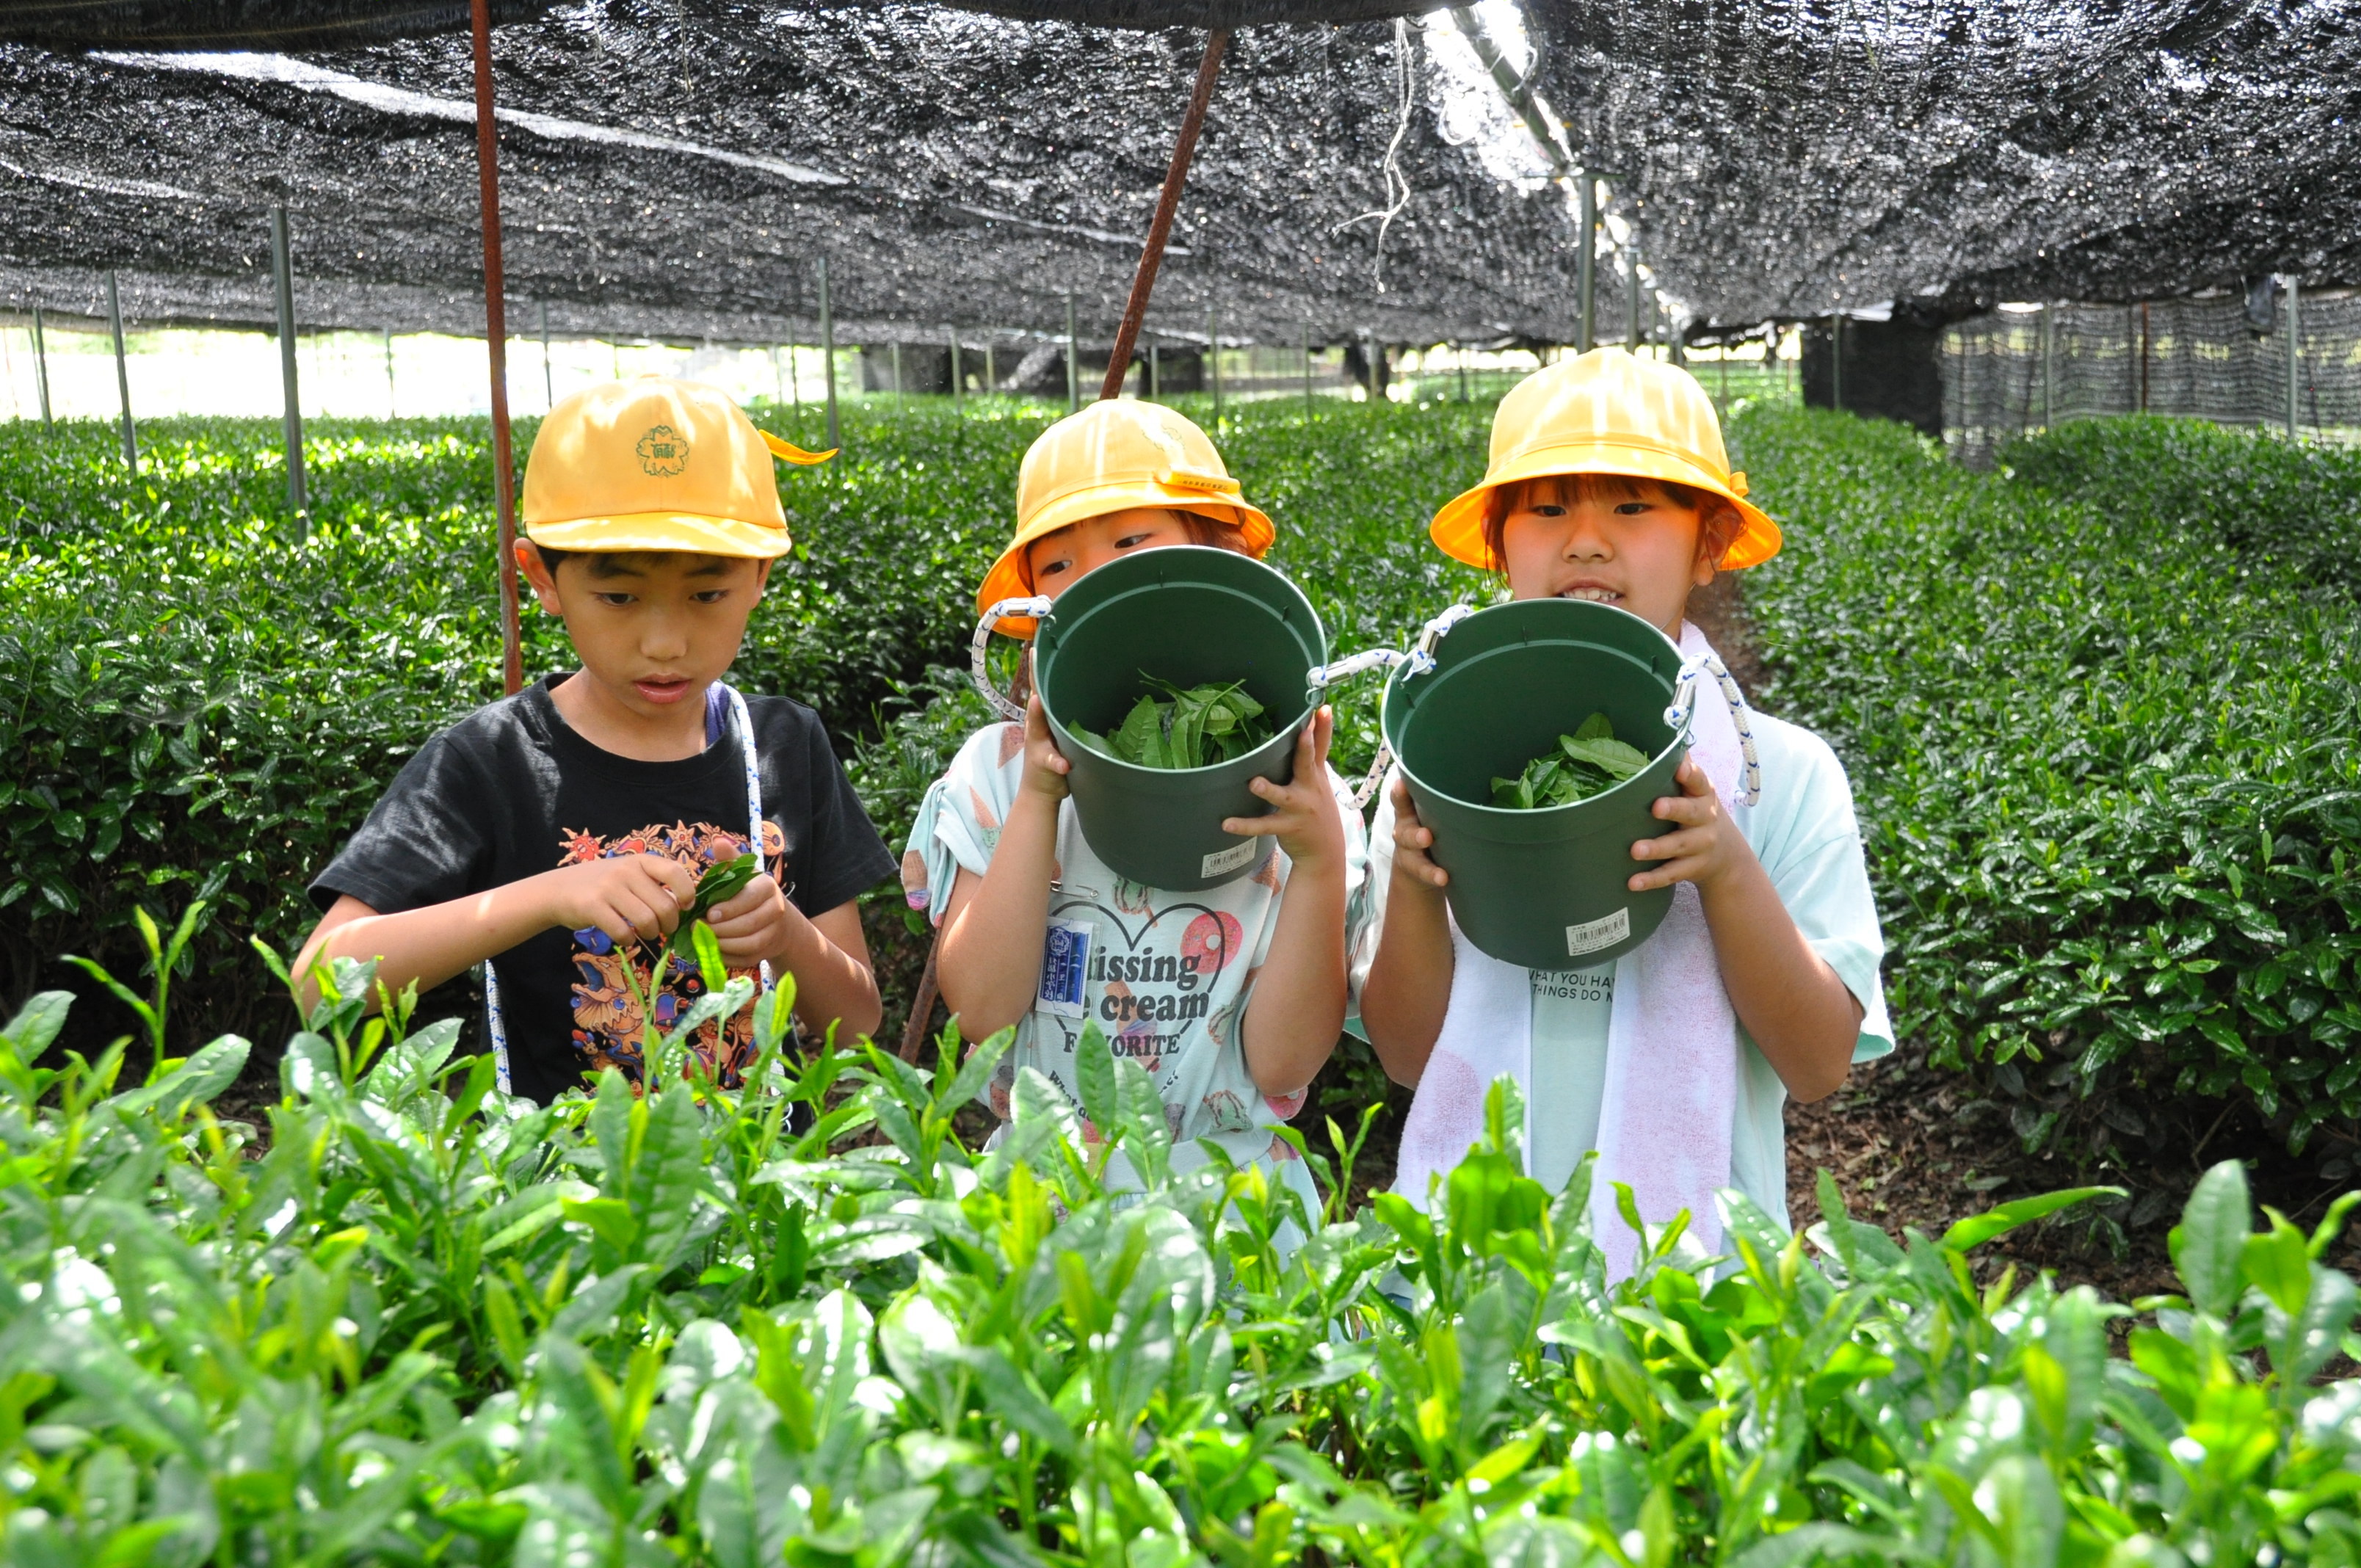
x=557, y=836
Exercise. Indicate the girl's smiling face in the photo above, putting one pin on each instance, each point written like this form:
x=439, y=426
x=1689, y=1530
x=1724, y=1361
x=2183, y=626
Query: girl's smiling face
x=1629, y=542
x=1057, y=560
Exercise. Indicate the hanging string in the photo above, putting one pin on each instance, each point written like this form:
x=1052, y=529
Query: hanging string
x=1397, y=188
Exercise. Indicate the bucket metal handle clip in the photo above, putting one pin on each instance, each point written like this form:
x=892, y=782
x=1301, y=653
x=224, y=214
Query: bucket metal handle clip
x=1322, y=676
x=1033, y=607
x=1684, y=705
x=1421, y=660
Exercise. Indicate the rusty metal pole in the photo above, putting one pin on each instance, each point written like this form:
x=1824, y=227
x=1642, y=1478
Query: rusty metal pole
x=1167, y=202
x=495, y=344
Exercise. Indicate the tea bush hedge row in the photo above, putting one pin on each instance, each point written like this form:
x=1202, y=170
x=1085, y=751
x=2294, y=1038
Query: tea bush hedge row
x=434, y=1325
x=2102, y=712
x=204, y=707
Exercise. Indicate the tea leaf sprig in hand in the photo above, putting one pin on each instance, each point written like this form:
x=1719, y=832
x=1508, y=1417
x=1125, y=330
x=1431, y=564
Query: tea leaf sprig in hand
x=722, y=881
x=1192, y=729
x=1589, y=761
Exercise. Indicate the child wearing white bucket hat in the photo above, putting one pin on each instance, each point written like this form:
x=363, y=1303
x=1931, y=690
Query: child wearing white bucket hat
x=1230, y=997
x=1608, y=482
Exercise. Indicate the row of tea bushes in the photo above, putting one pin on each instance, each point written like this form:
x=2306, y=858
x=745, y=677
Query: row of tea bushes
x=204, y=707
x=2103, y=711
x=431, y=1325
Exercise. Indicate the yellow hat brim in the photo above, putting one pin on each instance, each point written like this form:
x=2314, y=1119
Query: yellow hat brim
x=1458, y=528
x=669, y=531
x=1009, y=579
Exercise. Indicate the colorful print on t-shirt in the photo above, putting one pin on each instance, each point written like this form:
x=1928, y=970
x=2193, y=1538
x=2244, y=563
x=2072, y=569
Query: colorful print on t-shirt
x=609, y=1022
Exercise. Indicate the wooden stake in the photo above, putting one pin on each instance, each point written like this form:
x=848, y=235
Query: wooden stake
x=496, y=346
x=1167, y=202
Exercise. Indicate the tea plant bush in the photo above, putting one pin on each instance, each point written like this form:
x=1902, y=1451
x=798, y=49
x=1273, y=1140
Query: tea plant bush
x=2101, y=711
x=205, y=706
x=432, y=1325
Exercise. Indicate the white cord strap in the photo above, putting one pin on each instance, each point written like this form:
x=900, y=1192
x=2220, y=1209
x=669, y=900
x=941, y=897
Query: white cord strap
x=1033, y=607
x=1685, y=704
x=496, y=1022
x=1323, y=677
x=1421, y=660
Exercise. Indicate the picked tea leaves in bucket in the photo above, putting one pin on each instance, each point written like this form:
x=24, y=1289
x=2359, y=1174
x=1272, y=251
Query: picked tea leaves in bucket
x=1589, y=761
x=722, y=881
x=1189, y=729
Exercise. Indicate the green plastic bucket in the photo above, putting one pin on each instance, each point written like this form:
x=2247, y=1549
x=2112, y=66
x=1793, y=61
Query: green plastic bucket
x=1189, y=615
x=1543, y=889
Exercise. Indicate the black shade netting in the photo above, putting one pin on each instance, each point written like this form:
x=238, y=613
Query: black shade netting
x=1786, y=157
x=681, y=170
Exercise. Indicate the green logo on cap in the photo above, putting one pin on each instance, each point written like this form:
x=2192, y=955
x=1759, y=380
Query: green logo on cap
x=663, y=452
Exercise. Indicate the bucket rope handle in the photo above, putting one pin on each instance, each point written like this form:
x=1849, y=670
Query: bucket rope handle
x=1421, y=660
x=496, y=1021
x=1033, y=607
x=1685, y=704
x=1325, y=676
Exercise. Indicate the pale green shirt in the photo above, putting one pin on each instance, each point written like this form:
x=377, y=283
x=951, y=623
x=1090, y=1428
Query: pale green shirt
x=1804, y=832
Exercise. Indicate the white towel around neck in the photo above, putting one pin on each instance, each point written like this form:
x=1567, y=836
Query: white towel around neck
x=1671, y=1095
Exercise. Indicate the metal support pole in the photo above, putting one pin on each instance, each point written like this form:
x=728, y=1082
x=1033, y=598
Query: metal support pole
x=1307, y=367
x=956, y=378
x=894, y=352
x=778, y=379
x=1836, y=360
x=2144, y=341
x=548, y=376
x=2295, y=354
x=282, y=283
x=1155, y=371
x=123, y=377
x=1213, y=358
x=1459, y=354
x=391, y=411
x=1168, y=202
x=991, y=366
x=827, y=356
x=1631, y=299
x=1586, y=265
x=496, y=347
x=1073, y=360
x=41, y=362
x=2048, y=364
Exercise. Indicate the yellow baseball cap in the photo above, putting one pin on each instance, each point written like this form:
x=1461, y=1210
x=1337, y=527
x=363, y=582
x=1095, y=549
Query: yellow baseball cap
x=655, y=463
x=1111, y=456
x=1607, y=412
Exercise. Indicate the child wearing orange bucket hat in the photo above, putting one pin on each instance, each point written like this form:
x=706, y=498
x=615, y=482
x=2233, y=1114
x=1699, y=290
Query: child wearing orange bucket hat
x=1230, y=997
x=1609, y=482
x=556, y=837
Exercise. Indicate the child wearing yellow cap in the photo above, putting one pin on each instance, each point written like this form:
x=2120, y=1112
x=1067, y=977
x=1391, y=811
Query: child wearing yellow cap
x=1230, y=998
x=556, y=837
x=1608, y=482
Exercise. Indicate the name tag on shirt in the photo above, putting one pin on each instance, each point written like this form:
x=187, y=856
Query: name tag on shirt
x=1065, y=967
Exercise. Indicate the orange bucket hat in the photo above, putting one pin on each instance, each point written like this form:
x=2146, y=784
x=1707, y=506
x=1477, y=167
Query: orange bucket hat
x=1607, y=412
x=655, y=463
x=1111, y=456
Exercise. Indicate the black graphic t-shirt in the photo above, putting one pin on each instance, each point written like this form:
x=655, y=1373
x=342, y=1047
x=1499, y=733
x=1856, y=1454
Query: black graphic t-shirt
x=512, y=790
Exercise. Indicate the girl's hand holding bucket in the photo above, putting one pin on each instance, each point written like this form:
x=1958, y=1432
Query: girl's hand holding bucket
x=1707, y=846
x=1413, y=839
x=1045, y=766
x=1303, y=812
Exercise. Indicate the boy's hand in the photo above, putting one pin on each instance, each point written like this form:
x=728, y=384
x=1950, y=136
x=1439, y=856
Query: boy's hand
x=1705, y=849
x=1413, y=839
x=1045, y=766
x=1304, y=820
x=757, y=924
x=633, y=898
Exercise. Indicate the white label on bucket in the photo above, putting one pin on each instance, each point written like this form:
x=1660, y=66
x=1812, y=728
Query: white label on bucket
x=1221, y=862
x=1593, y=934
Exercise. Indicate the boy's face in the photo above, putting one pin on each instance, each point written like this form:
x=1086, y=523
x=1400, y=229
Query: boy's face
x=1634, y=547
x=1057, y=560
x=653, y=629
